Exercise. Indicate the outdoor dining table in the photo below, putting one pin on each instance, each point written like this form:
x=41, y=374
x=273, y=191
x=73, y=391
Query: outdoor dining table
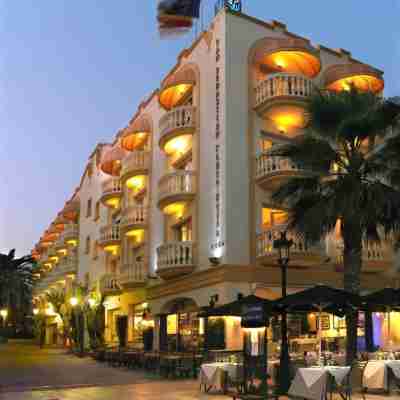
x=312, y=383
x=212, y=375
x=377, y=372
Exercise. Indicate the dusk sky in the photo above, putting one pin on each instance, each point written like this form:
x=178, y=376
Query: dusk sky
x=73, y=72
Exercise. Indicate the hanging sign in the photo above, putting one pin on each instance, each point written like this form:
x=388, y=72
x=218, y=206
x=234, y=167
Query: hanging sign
x=234, y=5
x=253, y=316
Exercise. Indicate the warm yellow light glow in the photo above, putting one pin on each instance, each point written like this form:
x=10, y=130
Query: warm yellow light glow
x=4, y=313
x=136, y=183
x=49, y=310
x=147, y=323
x=171, y=96
x=35, y=311
x=296, y=62
x=73, y=301
x=360, y=82
x=92, y=302
x=136, y=234
x=54, y=259
x=178, y=145
x=112, y=248
x=272, y=217
x=62, y=252
x=113, y=202
x=72, y=242
x=48, y=265
x=176, y=209
x=172, y=324
x=145, y=305
x=286, y=118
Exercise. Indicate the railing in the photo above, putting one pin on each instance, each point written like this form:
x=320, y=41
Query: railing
x=68, y=264
x=134, y=215
x=70, y=231
x=265, y=242
x=371, y=251
x=110, y=186
x=110, y=233
x=178, y=182
x=137, y=160
x=133, y=273
x=109, y=283
x=282, y=85
x=269, y=165
x=175, y=255
x=178, y=118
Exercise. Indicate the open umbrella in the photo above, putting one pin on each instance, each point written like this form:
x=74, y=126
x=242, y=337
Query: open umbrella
x=319, y=298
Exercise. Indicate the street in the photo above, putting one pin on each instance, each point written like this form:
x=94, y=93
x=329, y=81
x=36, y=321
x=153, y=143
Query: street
x=30, y=373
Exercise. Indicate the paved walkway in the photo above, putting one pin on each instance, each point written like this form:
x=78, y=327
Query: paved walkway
x=28, y=373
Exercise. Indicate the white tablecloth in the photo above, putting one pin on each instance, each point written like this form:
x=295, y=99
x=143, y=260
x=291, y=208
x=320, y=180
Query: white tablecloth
x=212, y=374
x=311, y=383
x=376, y=374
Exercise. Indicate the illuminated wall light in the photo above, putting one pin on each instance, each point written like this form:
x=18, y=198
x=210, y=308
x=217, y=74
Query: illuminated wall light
x=176, y=209
x=178, y=145
x=72, y=242
x=63, y=252
x=136, y=234
x=113, y=249
x=113, y=202
x=136, y=183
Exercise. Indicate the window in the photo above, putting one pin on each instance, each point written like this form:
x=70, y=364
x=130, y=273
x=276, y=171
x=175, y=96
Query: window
x=265, y=145
x=97, y=211
x=272, y=217
x=89, y=208
x=95, y=250
x=87, y=246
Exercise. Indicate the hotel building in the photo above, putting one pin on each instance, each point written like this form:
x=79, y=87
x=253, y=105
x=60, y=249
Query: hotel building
x=177, y=210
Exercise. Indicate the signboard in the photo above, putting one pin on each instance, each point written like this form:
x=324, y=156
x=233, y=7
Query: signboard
x=234, y=5
x=253, y=316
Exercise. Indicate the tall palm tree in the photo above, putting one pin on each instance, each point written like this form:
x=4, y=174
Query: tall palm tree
x=352, y=181
x=15, y=284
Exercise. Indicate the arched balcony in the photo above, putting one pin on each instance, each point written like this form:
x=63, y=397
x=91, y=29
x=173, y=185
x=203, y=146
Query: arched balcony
x=175, y=190
x=111, y=160
x=135, y=164
x=137, y=134
x=110, y=238
x=111, y=192
x=70, y=235
x=272, y=171
x=134, y=218
x=176, y=87
x=71, y=210
x=175, y=259
x=363, y=77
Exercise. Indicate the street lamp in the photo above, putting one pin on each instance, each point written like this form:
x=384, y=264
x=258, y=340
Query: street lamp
x=79, y=324
x=35, y=311
x=91, y=302
x=283, y=246
x=73, y=301
x=4, y=313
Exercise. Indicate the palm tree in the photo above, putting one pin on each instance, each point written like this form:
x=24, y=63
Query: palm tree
x=16, y=285
x=352, y=181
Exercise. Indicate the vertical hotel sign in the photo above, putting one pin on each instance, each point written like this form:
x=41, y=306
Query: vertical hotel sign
x=218, y=243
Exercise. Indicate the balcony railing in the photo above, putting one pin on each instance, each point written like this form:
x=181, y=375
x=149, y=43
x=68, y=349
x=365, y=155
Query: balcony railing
x=71, y=231
x=110, y=233
x=282, y=85
x=136, y=161
x=175, y=255
x=179, y=118
x=134, y=273
x=111, y=186
x=177, y=183
x=134, y=215
x=68, y=265
x=267, y=165
x=109, y=283
x=265, y=243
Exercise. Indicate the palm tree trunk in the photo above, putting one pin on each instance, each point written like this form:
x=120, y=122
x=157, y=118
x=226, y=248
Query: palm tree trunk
x=352, y=238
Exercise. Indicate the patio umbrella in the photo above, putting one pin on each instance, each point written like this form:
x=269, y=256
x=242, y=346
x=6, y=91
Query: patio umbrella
x=384, y=300
x=319, y=298
x=235, y=309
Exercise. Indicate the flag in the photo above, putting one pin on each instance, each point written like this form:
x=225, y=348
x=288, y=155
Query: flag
x=175, y=16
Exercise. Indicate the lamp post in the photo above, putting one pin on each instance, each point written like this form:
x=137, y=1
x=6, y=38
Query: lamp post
x=4, y=314
x=283, y=246
x=78, y=316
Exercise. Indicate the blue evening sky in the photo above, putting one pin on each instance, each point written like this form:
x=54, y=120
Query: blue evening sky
x=72, y=72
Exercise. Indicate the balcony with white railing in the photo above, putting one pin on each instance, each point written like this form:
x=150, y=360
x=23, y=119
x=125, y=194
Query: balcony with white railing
x=136, y=163
x=273, y=170
x=68, y=265
x=109, y=284
x=178, y=121
x=282, y=87
x=301, y=252
x=175, y=259
x=110, y=237
x=134, y=217
x=178, y=186
x=133, y=274
x=376, y=256
x=111, y=192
